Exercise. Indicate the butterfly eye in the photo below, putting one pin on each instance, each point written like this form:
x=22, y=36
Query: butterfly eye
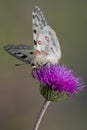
x=47, y=38
x=39, y=42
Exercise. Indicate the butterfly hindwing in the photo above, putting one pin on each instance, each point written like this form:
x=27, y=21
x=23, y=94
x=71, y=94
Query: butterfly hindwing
x=23, y=52
x=49, y=42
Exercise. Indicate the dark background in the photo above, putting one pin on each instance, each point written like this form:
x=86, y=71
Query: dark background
x=20, y=100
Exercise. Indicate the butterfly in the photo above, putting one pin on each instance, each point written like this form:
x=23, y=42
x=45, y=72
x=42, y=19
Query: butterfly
x=46, y=47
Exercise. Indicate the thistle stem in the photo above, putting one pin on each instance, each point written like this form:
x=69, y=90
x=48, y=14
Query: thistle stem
x=41, y=114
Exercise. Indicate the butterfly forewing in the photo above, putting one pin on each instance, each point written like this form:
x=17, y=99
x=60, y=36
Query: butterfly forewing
x=22, y=52
x=38, y=23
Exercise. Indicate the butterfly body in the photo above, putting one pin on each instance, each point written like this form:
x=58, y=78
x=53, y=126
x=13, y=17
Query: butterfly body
x=46, y=44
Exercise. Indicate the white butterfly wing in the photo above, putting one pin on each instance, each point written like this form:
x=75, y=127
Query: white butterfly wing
x=23, y=52
x=38, y=23
x=46, y=44
x=49, y=47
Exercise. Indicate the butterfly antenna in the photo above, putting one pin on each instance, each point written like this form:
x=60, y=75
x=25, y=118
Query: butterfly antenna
x=20, y=64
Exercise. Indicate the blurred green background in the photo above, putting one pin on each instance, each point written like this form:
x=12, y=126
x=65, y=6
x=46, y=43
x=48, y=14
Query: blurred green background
x=20, y=100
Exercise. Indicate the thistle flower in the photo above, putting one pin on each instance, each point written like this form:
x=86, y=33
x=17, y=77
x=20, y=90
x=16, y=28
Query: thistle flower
x=58, y=80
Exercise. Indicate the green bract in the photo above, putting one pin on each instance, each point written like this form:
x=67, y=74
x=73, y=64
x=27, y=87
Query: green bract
x=50, y=94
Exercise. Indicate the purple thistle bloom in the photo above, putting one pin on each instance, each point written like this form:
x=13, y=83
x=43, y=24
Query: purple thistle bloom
x=58, y=78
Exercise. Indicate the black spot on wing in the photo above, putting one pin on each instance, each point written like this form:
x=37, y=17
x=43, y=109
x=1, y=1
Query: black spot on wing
x=23, y=56
x=31, y=53
x=33, y=16
x=32, y=64
x=35, y=43
x=17, y=53
x=35, y=31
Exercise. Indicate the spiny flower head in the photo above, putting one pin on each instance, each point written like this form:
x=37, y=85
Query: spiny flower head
x=58, y=78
